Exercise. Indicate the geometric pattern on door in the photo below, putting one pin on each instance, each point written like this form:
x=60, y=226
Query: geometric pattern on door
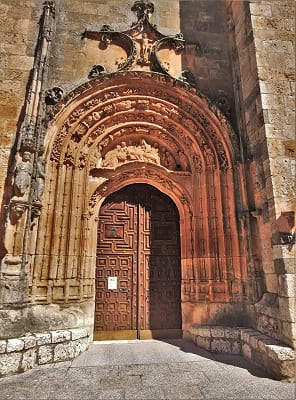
x=139, y=248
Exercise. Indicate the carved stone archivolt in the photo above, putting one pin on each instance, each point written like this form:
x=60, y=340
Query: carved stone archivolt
x=160, y=179
x=180, y=130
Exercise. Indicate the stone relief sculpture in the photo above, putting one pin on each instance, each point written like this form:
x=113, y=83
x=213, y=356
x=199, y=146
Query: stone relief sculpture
x=40, y=177
x=210, y=160
x=145, y=50
x=54, y=95
x=23, y=174
x=167, y=160
x=142, y=151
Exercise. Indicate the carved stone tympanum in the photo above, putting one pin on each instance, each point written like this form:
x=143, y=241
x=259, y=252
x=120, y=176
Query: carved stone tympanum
x=142, y=151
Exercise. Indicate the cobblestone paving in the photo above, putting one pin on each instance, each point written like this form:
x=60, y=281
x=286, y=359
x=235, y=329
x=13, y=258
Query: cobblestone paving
x=172, y=369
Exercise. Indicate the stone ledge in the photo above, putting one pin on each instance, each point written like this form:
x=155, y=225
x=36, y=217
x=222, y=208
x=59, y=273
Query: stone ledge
x=21, y=354
x=268, y=353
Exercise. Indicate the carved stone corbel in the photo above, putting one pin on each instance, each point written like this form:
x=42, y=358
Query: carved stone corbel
x=36, y=210
x=17, y=208
x=54, y=95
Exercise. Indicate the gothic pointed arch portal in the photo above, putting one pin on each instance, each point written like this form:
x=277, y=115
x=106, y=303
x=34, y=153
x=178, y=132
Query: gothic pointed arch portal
x=129, y=128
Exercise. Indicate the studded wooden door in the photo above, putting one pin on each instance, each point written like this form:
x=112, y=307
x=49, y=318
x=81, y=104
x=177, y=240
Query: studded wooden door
x=138, y=274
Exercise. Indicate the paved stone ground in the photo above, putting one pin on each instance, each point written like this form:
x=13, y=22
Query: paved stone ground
x=172, y=369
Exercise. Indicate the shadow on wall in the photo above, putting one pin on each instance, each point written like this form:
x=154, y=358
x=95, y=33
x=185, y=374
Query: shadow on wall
x=207, y=54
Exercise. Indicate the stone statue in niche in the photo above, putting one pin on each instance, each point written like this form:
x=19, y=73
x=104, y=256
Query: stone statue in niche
x=209, y=156
x=40, y=177
x=23, y=174
x=167, y=160
x=71, y=148
x=183, y=160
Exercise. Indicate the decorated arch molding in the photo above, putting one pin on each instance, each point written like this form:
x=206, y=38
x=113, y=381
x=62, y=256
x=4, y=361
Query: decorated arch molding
x=105, y=110
x=139, y=118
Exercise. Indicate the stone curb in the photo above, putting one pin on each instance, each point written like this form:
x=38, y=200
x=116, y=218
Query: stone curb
x=21, y=354
x=266, y=352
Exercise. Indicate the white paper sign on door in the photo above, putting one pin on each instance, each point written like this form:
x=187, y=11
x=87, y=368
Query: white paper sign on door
x=112, y=282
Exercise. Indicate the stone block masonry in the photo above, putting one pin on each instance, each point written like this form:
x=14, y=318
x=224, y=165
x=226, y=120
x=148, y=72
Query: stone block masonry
x=21, y=354
x=269, y=354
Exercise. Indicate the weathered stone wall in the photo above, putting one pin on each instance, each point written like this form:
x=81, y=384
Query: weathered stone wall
x=274, y=37
x=204, y=24
x=261, y=39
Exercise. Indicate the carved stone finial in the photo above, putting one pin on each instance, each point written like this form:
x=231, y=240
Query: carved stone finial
x=143, y=8
x=106, y=35
x=50, y=4
x=96, y=71
x=54, y=95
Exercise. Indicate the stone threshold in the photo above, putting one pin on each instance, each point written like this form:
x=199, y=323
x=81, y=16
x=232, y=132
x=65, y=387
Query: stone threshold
x=273, y=356
x=21, y=354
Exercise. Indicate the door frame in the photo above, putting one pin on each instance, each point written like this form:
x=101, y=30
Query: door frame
x=139, y=333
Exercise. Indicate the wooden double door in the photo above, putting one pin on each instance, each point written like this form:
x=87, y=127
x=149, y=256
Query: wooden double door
x=138, y=274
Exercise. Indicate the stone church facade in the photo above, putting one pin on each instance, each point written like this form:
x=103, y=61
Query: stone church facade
x=147, y=177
